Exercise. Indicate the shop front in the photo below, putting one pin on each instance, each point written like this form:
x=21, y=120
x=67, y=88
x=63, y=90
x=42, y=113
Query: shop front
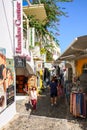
x=23, y=72
x=76, y=56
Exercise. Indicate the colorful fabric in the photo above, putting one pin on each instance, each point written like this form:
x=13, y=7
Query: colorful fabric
x=78, y=104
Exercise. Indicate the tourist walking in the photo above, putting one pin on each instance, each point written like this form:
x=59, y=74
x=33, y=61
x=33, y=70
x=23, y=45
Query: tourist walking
x=32, y=100
x=53, y=91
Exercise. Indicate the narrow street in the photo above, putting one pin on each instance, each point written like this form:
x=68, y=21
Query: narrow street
x=46, y=117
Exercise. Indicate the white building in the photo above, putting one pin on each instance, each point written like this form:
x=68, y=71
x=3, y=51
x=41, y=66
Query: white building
x=7, y=49
x=14, y=56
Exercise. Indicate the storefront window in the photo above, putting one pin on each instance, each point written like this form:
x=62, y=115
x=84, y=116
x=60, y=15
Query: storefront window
x=84, y=68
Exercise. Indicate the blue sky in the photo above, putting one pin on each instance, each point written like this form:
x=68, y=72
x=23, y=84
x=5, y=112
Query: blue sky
x=73, y=26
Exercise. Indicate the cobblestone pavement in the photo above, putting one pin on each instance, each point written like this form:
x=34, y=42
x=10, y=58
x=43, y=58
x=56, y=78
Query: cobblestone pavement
x=46, y=117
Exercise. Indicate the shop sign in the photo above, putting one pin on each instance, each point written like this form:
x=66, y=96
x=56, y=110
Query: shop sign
x=20, y=62
x=18, y=26
x=31, y=36
x=38, y=66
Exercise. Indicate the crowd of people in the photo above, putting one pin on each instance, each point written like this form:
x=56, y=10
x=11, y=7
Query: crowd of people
x=57, y=89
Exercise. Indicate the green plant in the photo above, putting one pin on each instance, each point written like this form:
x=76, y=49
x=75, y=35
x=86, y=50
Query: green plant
x=42, y=50
x=31, y=47
x=37, y=43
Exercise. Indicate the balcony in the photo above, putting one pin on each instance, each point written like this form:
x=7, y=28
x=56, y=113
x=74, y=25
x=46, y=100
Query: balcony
x=36, y=10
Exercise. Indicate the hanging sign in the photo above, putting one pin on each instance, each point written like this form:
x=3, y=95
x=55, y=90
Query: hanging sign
x=20, y=62
x=18, y=26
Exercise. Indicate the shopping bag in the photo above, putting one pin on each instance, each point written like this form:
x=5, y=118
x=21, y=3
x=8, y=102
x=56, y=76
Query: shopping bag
x=28, y=105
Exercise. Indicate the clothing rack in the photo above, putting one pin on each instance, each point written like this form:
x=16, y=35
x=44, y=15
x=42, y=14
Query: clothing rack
x=78, y=104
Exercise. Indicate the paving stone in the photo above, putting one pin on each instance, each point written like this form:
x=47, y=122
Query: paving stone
x=46, y=117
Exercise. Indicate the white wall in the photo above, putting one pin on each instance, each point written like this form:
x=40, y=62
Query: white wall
x=6, y=26
x=6, y=41
x=7, y=115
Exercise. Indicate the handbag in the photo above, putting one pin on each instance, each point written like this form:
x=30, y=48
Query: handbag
x=28, y=106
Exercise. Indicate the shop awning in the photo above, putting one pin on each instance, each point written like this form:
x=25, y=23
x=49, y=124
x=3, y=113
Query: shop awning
x=24, y=70
x=29, y=69
x=77, y=49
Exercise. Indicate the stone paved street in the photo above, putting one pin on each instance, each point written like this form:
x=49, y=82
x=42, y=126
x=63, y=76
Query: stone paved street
x=46, y=117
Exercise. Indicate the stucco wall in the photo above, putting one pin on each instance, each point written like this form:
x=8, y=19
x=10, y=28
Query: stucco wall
x=6, y=41
x=6, y=27
x=79, y=65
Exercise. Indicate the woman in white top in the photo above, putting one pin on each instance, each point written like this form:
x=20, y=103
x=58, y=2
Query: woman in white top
x=33, y=97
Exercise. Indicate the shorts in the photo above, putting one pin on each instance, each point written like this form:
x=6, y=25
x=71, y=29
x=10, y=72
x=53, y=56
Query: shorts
x=53, y=94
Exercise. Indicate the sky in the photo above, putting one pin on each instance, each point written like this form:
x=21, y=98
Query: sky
x=74, y=25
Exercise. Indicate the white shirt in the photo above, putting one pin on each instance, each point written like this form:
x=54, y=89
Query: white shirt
x=33, y=95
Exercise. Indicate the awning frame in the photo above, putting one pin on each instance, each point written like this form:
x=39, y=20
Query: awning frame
x=77, y=50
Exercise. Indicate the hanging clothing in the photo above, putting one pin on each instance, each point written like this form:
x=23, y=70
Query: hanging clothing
x=78, y=104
